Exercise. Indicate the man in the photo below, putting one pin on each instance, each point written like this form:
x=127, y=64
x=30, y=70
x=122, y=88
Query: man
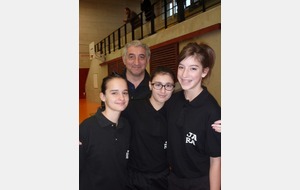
x=132, y=18
x=136, y=57
x=146, y=7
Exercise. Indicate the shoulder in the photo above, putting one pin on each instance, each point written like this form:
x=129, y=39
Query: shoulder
x=87, y=121
x=211, y=99
x=136, y=104
x=87, y=125
x=133, y=105
x=212, y=104
x=92, y=120
x=147, y=75
x=175, y=98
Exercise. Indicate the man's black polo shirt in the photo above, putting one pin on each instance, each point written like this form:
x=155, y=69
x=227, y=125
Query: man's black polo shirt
x=142, y=90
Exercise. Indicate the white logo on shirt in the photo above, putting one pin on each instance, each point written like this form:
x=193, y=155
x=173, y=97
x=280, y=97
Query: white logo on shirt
x=191, y=138
x=127, y=154
x=165, y=145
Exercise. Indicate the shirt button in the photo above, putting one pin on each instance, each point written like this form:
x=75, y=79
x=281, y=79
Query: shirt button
x=116, y=139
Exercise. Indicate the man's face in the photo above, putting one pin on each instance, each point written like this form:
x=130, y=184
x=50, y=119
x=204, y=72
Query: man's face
x=136, y=60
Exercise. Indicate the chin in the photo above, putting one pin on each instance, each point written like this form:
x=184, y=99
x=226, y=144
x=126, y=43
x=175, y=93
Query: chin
x=184, y=87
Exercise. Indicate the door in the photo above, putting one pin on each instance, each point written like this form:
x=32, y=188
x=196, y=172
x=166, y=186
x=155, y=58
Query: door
x=83, y=73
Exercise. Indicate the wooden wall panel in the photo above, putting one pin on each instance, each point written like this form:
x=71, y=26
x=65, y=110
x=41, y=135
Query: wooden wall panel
x=165, y=56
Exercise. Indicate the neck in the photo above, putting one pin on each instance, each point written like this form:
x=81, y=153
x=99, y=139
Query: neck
x=135, y=79
x=156, y=105
x=112, y=116
x=192, y=93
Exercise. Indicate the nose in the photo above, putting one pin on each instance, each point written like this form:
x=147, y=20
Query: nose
x=163, y=88
x=136, y=60
x=121, y=96
x=184, y=72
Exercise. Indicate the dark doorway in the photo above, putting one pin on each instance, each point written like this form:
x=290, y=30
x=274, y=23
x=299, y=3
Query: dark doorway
x=83, y=73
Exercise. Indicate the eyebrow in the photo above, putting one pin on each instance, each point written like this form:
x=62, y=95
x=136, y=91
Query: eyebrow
x=113, y=90
x=116, y=90
x=196, y=65
x=136, y=54
x=162, y=83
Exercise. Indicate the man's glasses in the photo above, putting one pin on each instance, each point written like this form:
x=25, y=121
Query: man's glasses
x=159, y=86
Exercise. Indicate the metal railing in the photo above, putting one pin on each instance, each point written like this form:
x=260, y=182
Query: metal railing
x=167, y=13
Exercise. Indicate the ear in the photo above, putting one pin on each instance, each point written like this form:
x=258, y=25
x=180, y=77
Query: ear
x=123, y=59
x=150, y=86
x=102, y=97
x=204, y=72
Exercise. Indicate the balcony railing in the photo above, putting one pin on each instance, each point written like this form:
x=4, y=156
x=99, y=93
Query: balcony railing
x=167, y=13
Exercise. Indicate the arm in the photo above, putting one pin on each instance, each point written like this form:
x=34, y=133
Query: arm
x=125, y=20
x=217, y=126
x=215, y=173
x=132, y=15
x=81, y=156
x=82, y=145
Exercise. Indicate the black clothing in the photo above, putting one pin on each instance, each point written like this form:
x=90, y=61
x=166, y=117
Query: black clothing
x=148, y=137
x=103, y=154
x=200, y=183
x=148, y=167
x=191, y=139
x=134, y=19
x=147, y=9
x=148, y=181
x=142, y=91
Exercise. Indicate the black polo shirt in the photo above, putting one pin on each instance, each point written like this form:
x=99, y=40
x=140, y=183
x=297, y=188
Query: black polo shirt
x=149, y=137
x=142, y=90
x=104, y=153
x=191, y=139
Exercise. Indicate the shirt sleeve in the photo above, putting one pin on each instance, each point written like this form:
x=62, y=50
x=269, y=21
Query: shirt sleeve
x=214, y=137
x=83, y=144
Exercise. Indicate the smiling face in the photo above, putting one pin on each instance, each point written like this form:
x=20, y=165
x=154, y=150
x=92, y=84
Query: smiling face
x=190, y=73
x=116, y=95
x=161, y=95
x=136, y=60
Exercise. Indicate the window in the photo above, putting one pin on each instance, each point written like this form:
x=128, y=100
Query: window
x=172, y=8
x=187, y=3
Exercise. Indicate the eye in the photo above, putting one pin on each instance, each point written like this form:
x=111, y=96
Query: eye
x=157, y=85
x=130, y=56
x=169, y=85
x=180, y=67
x=125, y=93
x=142, y=57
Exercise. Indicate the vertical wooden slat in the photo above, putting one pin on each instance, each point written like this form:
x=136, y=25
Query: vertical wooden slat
x=165, y=56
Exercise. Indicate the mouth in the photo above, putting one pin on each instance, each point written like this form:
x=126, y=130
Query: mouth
x=185, y=81
x=136, y=66
x=162, y=95
x=121, y=103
